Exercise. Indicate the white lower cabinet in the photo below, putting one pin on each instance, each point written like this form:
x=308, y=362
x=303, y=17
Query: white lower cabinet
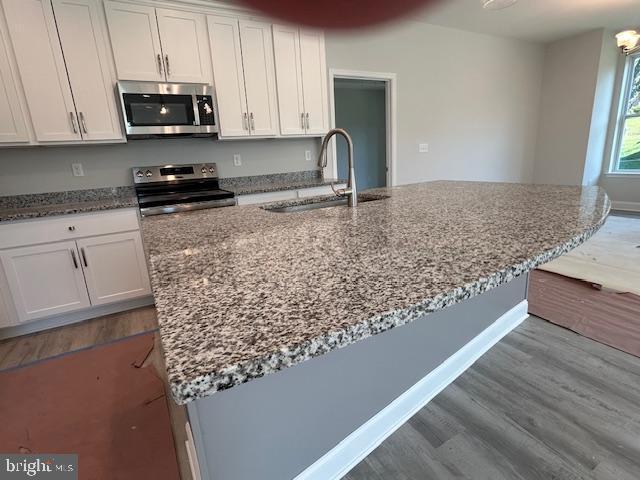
x=66, y=264
x=45, y=280
x=114, y=267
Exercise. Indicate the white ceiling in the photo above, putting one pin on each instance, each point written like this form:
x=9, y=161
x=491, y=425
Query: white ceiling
x=536, y=20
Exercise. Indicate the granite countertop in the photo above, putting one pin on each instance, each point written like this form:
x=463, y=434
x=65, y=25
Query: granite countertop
x=243, y=292
x=274, y=183
x=21, y=207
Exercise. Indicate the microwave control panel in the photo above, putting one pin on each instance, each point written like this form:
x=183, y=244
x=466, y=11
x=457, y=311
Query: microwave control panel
x=205, y=110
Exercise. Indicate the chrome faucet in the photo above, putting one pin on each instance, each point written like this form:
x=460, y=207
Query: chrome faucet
x=349, y=192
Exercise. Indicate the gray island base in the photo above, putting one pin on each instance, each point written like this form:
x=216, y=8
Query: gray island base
x=318, y=419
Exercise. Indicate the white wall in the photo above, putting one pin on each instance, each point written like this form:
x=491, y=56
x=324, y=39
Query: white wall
x=474, y=98
x=580, y=88
x=48, y=169
x=568, y=92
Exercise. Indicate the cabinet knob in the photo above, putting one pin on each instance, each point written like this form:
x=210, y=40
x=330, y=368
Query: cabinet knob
x=72, y=228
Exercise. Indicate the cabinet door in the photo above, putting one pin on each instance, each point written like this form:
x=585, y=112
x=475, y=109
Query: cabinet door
x=45, y=280
x=135, y=41
x=314, y=81
x=37, y=48
x=115, y=267
x=286, y=48
x=13, y=127
x=259, y=77
x=228, y=76
x=80, y=27
x=185, y=46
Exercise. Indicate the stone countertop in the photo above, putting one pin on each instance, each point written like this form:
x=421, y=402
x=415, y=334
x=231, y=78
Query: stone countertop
x=243, y=292
x=275, y=185
x=21, y=207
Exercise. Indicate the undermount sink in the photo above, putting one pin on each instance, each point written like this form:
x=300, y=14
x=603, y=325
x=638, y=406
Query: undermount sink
x=315, y=203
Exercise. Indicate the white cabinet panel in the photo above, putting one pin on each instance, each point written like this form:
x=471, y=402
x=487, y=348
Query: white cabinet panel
x=286, y=47
x=37, y=48
x=185, y=46
x=135, y=41
x=267, y=197
x=85, y=51
x=45, y=280
x=314, y=81
x=114, y=267
x=228, y=76
x=13, y=127
x=257, y=59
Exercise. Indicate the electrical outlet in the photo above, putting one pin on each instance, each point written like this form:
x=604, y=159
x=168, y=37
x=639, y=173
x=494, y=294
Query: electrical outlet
x=307, y=155
x=237, y=160
x=423, y=147
x=77, y=170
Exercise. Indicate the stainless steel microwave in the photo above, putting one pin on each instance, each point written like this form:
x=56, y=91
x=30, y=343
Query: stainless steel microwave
x=151, y=109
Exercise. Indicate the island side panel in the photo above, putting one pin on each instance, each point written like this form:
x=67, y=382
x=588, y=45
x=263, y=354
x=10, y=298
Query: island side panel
x=274, y=427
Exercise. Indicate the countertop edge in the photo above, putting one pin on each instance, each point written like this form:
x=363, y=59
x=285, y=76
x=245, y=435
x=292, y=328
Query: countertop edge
x=17, y=216
x=205, y=385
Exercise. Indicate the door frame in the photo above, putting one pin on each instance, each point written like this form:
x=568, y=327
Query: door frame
x=391, y=102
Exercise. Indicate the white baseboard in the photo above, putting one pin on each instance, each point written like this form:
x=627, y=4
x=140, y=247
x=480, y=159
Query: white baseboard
x=349, y=452
x=73, y=317
x=626, y=206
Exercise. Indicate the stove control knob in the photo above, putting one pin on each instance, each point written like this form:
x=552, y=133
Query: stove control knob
x=139, y=173
x=204, y=170
x=212, y=170
x=148, y=173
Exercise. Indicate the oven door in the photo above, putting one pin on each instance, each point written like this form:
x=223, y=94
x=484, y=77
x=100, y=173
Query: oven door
x=159, y=108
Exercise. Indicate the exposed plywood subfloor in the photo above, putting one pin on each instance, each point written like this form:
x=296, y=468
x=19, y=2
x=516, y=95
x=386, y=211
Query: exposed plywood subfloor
x=611, y=258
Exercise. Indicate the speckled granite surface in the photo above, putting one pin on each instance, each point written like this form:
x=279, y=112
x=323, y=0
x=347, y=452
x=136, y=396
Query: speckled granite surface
x=19, y=207
x=274, y=182
x=243, y=292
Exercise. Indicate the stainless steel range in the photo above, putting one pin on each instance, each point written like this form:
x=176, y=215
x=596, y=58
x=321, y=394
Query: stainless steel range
x=179, y=188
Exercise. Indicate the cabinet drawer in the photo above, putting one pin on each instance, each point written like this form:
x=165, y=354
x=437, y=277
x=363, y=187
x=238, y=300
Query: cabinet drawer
x=267, y=197
x=67, y=227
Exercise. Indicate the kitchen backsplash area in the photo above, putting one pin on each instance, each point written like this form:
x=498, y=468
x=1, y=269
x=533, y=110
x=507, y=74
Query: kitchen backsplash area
x=49, y=169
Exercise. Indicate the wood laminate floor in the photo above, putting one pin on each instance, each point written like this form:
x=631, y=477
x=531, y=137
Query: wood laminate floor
x=544, y=403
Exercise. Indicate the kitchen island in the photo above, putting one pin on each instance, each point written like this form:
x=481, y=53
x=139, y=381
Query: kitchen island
x=243, y=293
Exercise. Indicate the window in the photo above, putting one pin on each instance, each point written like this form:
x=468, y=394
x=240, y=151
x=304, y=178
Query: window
x=627, y=152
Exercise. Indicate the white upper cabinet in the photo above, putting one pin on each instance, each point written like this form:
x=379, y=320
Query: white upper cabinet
x=38, y=54
x=158, y=44
x=224, y=35
x=301, y=76
x=286, y=46
x=314, y=81
x=80, y=26
x=259, y=78
x=64, y=64
x=135, y=41
x=242, y=53
x=13, y=127
x=185, y=46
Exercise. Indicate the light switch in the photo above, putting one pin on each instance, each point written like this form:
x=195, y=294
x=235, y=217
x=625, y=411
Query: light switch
x=237, y=160
x=77, y=170
x=423, y=147
x=307, y=155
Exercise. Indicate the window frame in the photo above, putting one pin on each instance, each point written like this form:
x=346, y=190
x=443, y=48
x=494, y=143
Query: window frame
x=623, y=103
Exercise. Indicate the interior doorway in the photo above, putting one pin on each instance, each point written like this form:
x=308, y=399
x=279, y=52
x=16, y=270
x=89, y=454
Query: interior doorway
x=363, y=103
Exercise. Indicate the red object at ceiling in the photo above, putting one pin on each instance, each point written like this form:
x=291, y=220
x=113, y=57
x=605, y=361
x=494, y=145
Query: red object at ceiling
x=337, y=14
